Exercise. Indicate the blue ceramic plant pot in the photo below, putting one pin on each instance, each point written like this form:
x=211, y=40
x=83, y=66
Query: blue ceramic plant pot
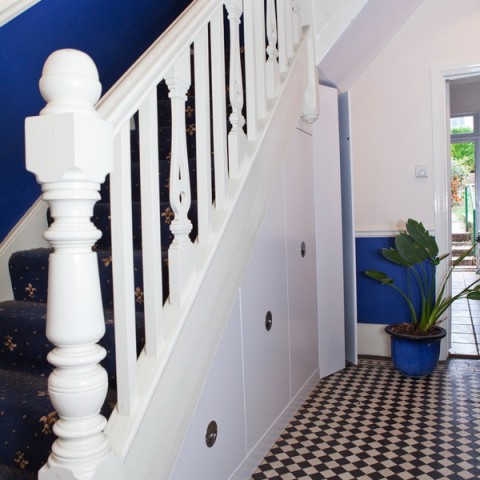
x=415, y=355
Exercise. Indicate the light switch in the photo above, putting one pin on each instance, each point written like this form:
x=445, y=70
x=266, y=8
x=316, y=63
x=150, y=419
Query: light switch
x=421, y=171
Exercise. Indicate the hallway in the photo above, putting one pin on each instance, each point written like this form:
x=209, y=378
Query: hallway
x=368, y=422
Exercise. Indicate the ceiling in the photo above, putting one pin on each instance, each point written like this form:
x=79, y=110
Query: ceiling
x=362, y=40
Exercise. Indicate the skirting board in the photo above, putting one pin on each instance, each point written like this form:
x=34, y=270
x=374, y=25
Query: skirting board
x=372, y=340
x=258, y=452
x=28, y=233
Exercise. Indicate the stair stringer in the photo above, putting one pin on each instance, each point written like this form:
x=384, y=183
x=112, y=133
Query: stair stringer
x=148, y=441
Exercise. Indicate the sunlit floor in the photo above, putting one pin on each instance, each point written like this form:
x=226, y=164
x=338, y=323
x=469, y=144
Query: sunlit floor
x=465, y=318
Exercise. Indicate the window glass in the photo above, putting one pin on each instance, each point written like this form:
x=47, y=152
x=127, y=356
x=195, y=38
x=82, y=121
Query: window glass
x=459, y=125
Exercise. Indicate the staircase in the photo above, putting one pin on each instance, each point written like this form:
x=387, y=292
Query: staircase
x=125, y=311
x=461, y=243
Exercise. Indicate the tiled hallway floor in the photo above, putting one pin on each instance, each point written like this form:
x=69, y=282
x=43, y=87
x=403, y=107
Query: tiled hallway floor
x=465, y=318
x=369, y=422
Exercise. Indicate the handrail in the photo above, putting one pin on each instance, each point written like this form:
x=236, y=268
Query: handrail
x=125, y=97
x=70, y=148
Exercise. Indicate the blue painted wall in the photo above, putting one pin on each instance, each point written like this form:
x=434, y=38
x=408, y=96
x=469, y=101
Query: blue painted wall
x=378, y=303
x=113, y=32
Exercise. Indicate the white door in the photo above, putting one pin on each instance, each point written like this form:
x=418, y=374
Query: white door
x=349, y=269
x=329, y=233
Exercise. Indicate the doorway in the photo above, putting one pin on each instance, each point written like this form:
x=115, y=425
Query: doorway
x=464, y=96
x=442, y=79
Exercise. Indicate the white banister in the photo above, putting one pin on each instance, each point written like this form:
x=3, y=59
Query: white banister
x=273, y=69
x=203, y=130
x=72, y=146
x=122, y=269
x=69, y=149
x=305, y=13
x=151, y=241
x=219, y=109
x=250, y=66
x=237, y=139
x=180, y=253
x=284, y=33
x=297, y=23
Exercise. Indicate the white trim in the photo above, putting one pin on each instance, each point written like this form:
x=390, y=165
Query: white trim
x=375, y=233
x=9, y=9
x=26, y=234
x=440, y=139
x=372, y=340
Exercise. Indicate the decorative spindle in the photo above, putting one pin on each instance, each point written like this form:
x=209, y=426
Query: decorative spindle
x=180, y=255
x=69, y=149
x=237, y=139
x=297, y=23
x=273, y=69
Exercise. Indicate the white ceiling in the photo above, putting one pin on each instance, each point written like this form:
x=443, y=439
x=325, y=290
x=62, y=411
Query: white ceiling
x=362, y=40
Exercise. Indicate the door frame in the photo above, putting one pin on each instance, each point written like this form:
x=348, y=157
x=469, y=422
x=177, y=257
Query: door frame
x=441, y=161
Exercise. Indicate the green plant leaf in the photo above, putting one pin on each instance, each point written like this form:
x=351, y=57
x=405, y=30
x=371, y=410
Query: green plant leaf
x=392, y=255
x=409, y=250
x=421, y=236
x=381, y=277
x=474, y=295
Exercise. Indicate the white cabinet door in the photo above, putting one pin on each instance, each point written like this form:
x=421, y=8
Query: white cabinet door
x=301, y=255
x=221, y=401
x=266, y=357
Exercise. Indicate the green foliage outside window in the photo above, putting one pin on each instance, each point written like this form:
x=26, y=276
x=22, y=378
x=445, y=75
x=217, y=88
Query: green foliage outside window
x=463, y=153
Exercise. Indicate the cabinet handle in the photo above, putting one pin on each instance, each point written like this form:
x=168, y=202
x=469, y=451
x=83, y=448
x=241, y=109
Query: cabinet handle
x=211, y=434
x=268, y=321
x=303, y=249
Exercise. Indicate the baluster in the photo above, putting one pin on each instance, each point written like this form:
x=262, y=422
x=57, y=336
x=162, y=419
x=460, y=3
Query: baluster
x=219, y=109
x=285, y=35
x=123, y=271
x=180, y=254
x=305, y=14
x=273, y=70
x=204, y=147
x=69, y=149
x=297, y=23
x=237, y=139
x=151, y=241
x=252, y=118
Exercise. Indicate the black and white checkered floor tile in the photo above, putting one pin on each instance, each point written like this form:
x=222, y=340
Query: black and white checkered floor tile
x=369, y=422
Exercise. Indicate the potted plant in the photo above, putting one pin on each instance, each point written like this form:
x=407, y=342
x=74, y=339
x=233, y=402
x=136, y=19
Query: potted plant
x=416, y=343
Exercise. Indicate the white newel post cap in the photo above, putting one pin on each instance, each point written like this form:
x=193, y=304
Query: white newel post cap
x=69, y=141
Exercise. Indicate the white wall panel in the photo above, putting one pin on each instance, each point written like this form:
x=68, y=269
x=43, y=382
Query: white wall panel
x=222, y=401
x=300, y=227
x=266, y=357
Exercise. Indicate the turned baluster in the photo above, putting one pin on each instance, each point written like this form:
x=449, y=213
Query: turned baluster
x=69, y=149
x=180, y=254
x=237, y=139
x=273, y=69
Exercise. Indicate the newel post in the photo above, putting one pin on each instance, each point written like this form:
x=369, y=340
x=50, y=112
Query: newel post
x=305, y=10
x=69, y=149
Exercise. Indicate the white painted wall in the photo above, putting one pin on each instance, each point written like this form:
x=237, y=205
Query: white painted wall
x=391, y=113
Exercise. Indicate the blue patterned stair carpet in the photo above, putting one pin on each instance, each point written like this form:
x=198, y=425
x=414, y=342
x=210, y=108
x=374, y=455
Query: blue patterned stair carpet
x=26, y=413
